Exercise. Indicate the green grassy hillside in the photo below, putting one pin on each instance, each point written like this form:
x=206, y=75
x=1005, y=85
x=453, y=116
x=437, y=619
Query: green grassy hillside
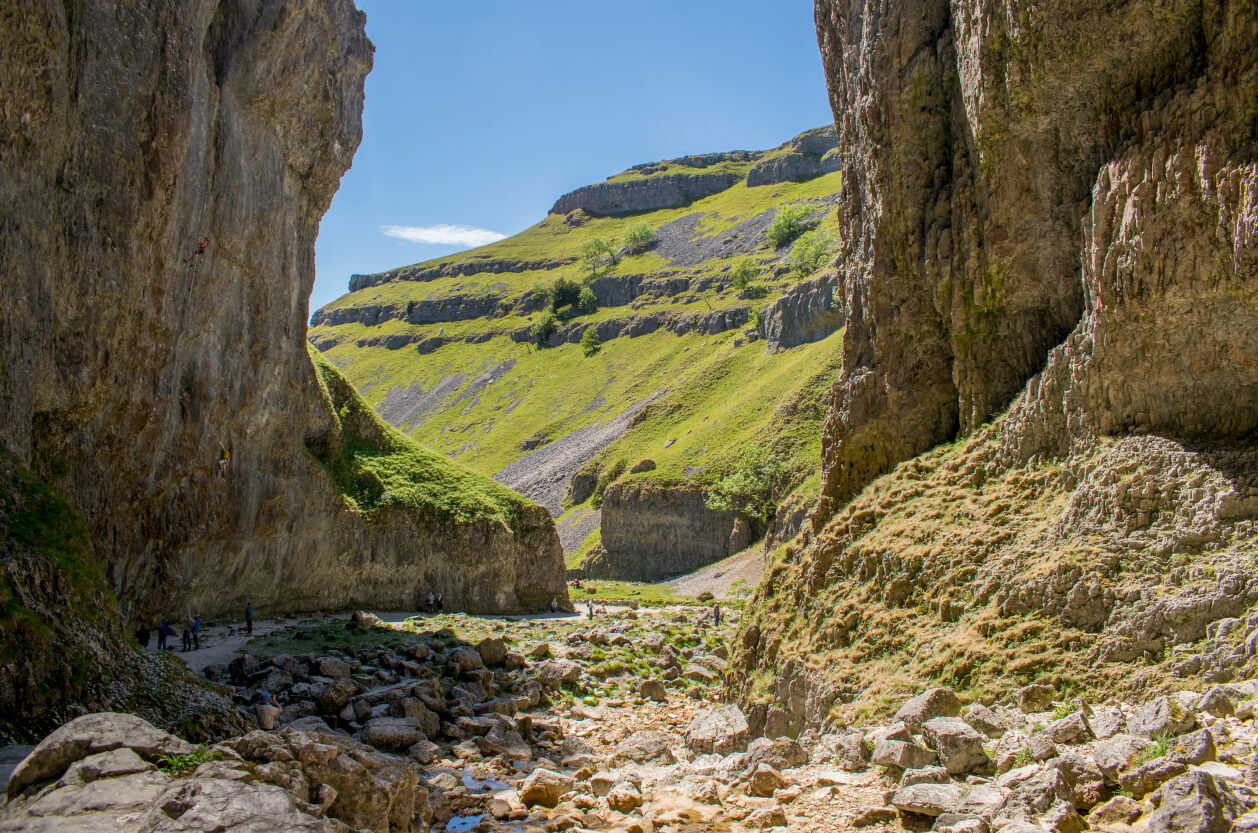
x=488, y=392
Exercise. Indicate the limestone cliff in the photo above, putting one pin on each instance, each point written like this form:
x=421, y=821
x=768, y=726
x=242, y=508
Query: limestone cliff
x=131, y=134
x=1048, y=209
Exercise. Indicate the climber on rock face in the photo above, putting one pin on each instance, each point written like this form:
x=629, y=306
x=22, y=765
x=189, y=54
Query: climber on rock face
x=224, y=457
x=200, y=250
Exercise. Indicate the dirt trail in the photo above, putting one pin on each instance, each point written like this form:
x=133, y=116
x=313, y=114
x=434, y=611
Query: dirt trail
x=719, y=578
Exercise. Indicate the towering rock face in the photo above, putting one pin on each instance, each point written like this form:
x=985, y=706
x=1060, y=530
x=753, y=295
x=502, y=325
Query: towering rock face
x=993, y=155
x=130, y=134
x=1051, y=256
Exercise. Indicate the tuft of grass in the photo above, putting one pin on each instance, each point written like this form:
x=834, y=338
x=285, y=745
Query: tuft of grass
x=185, y=764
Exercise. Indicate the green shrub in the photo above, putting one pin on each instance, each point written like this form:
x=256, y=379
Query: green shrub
x=544, y=327
x=587, y=302
x=639, y=237
x=180, y=764
x=564, y=293
x=753, y=486
x=790, y=222
x=590, y=342
x=811, y=252
x=755, y=292
x=743, y=273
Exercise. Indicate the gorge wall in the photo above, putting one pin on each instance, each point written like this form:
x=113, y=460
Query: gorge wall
x=1050, y=211
x=130, y=134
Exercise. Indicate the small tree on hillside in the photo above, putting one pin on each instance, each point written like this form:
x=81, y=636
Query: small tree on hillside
x=790, y=222
x=639, y=237
x=587, y=303
x=590, y=342
x=598, y=255
x=564, y=293
x=811, y=252
x=753, y=485
x=743, y=273
x=543, y=328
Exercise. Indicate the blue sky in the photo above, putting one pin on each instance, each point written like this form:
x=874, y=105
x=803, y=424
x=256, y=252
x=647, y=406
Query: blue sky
x=481, y=113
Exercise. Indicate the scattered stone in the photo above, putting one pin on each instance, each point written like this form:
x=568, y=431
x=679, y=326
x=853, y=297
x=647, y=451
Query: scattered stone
x=1161, y=716
x=1195, y=803
x=1117, y=753
x=935, y=702
x=1035, y=698
x=869, y=816
x=719, y=729
x=925, y=775
x=896, y=753
x=959, y=746
x=764, y=780
x=766, y=817
x=1119, y=809
x=624, y=797
x=544, y=787
x=927, y=799
x=985, y=721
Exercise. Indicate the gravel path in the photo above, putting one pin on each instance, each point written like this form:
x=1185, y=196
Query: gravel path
x=719, y=578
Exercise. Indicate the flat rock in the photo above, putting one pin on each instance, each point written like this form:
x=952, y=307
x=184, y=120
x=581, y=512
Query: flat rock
x=896, y=753
x=928, y=799
x=89, y=735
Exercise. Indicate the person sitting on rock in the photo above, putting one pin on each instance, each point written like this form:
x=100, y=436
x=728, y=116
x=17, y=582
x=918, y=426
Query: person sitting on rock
x=266, y=710
x=224, y=457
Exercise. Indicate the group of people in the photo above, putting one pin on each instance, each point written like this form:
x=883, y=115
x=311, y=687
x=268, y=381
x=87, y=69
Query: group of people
x=434, y=602
x=191, y=632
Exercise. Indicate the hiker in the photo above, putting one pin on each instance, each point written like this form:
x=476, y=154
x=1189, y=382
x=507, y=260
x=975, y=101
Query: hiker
x=430, y=602
x=441, y=602
x=195, y=621
x=266, y=710
x=200, y=251
x=590, y=608
x=142, y=636
x=224, y=457
x=716, y=614
x=249, y=618
x=164, y=630
x=187, y=639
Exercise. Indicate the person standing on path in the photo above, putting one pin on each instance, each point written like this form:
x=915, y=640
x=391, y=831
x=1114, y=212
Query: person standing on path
x=249, y=618
x=164, y=630
x=716, y=614
x=194, y=621
x=441, y=602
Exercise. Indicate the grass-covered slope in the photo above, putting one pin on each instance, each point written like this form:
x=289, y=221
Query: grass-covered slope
x=378, y=468
x=471, y=383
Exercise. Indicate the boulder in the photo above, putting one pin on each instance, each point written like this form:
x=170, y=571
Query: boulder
x=1035, y=795
x=624, y=797
x=1216, y=702
x=648, y=747
x=1041, y=746
x=983, y=801
x=1035, y=698
x=1120, y=809
x=1161, y=716
x=897, y=753
x=1084, y=777
x=89, y=735
x=545, y=786
x=925, y=775
x=391, y=734
x=337, y=669
x=1148, y=777
x=466, y=659
x=424, y=751
x=492, y=650
x=653, y=690
x=764, y=780
x=985, y=721
x=869, y=816
x=1116, y=754
x=1195, y=803
x=935, y=702
x=719, y=729
x=1071, y=729
x=766, y=817
x=1107, y=722
x=554, y=673
x=959, y=746
x=928, y=799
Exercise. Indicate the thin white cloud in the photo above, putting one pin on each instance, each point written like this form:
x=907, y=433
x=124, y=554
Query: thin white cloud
x=444, y=235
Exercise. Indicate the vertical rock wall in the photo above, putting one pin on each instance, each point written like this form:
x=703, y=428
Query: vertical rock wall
x=129, y=133
x=973, y=135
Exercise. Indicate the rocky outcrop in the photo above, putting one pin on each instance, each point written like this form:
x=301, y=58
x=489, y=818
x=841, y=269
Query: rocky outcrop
x=472, y=266
x=133, y=135
x=791, y=167
x=651, y=532
x=982, y=177
x=646, y=194
x=808, y=312
x=440, y=310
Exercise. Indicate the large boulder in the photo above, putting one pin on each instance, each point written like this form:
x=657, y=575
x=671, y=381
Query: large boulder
x=897, y=753
x=391, y=734
x=1161, y=716
x=1035, y=698
x=764, y=780
x=959, y=747
x=492, y=650
x=554, y=673
x=936, y=702
x=1117, y=754
x=545, y=786
x=719, y=729
x=647, y=747
x=1195, y=802
x=90, y=735
x=927, y=799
